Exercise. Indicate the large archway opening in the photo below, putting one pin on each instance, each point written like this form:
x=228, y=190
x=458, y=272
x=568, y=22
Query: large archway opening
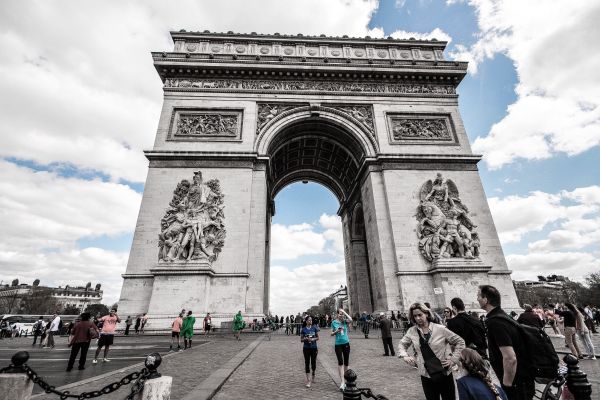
x=321, y=154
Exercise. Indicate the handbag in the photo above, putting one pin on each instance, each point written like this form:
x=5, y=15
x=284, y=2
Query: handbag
x=433, y=365
x=92, y=333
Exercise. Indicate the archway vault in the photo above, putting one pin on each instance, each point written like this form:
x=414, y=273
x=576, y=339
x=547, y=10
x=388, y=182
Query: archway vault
x=310, y=147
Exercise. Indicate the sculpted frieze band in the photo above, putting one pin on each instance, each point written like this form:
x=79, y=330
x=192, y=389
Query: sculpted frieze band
x=207, y=125
x=445, y=228
x=310, y=86
x=421, y=129
x=193, y=228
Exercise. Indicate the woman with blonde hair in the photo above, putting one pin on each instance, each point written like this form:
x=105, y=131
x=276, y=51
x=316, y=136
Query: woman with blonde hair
x=435, y=350
x=477, y=384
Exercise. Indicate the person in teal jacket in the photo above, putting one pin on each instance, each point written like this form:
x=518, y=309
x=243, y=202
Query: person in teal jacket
x=339, y=328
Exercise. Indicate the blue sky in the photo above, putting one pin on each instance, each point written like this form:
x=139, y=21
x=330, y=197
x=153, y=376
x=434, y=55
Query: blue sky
x=75, y=124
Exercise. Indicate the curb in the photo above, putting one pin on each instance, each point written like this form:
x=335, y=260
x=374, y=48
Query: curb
x=130, y=368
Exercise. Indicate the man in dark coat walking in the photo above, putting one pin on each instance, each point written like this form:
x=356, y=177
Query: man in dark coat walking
x=386, y=334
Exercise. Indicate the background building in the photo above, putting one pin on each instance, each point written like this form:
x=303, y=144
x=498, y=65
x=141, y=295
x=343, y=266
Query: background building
x=23, y=298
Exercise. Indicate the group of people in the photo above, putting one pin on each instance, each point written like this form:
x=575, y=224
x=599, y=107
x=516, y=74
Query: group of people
x=183, y=326
x=457, y=352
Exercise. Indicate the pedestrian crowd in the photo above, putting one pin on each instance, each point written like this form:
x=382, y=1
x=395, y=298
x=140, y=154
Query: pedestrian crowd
x=495, y=356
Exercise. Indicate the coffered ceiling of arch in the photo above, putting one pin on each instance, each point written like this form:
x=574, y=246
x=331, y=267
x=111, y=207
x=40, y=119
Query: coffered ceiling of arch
x=315, y=153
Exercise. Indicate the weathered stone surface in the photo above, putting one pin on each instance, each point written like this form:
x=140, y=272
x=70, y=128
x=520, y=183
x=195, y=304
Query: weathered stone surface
x=373, y=120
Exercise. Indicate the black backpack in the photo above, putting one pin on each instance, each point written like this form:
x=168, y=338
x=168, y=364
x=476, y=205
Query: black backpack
x=476, y=335
x=541, y=356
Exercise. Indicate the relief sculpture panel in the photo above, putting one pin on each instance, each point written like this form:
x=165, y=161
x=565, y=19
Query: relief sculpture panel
x=206, y=125
x=193, y=228
x=420, y=129
x=445, y=228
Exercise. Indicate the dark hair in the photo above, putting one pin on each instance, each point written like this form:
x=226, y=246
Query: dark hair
x=527, y=307
x=458, y=304
x=475, y=366
x=85, y=316
x=423, y=308
x=428, y=305
x=491, y=294
x=190, y=312
x=41, y=317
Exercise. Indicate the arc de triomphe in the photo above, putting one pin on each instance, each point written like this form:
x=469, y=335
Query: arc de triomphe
x=374, y=120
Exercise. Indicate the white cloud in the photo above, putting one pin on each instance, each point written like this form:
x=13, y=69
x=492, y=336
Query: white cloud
x=289, y=242
x=296, y=290
x=44, y=215
x=574, y=265
x=437, y=33
x=558, y=107
x=93, y=98
x=569, y=248
x=516, y=216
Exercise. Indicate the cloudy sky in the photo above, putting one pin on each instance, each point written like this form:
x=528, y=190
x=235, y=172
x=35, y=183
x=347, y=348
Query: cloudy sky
x=80, y=101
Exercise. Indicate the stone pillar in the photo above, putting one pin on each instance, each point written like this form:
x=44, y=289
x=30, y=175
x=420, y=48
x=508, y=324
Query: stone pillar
x=156, y=389
x=18, y=385
x=380, y=243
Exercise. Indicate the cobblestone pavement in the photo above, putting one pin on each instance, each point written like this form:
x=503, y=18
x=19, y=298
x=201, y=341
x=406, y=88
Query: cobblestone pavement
x=274, y=370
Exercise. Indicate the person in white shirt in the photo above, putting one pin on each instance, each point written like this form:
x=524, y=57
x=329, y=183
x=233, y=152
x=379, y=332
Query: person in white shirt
x=53, y=330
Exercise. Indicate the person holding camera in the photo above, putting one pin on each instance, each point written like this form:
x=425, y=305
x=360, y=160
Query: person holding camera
x=339, y=329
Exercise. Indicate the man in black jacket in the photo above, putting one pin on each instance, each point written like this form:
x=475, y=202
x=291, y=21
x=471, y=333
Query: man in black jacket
x=467, y=327
x=386, y=334
x=508, y=354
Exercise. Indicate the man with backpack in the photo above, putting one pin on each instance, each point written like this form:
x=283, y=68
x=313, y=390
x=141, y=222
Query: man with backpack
x=508, y=351
x=467, y=327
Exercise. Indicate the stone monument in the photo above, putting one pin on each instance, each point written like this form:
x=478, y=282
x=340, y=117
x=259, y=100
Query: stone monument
x=374, y=120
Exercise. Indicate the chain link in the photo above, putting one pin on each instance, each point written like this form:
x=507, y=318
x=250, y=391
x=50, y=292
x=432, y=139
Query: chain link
x=139, y=379
x=369, y=394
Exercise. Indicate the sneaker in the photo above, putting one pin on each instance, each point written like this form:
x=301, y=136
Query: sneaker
x=313, y=378
x=94, y=361
x=105, y=360
x=308, y=384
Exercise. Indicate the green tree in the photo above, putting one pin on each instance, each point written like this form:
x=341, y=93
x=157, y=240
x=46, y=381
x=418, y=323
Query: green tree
x=39, y=301
x=97, y=309
x=70, y=310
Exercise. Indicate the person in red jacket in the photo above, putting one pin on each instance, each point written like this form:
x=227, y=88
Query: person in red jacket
x=80, y=339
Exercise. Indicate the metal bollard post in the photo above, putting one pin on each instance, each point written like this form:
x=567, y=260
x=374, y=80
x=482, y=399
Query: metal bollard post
x=577, y=381
x=14, y=380
x=351, y=392
x=156, y=386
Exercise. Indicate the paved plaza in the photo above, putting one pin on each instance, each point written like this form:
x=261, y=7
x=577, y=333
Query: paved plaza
x=256, y=367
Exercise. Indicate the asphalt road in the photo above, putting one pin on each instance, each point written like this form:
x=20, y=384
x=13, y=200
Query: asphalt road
x=51, y=364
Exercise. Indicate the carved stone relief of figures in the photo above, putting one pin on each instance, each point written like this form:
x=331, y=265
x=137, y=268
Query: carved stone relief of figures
x=363, y=113
x=445, y=228
x=192, y=229
x=310, y=86
x=205, y=124
x=268, y=111
x=411, y=128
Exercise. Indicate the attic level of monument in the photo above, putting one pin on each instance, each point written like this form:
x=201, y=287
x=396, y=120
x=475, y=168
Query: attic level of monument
x=235, y=56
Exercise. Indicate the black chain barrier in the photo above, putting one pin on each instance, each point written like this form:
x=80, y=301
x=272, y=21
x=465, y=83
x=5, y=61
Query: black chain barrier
x=19, y=365
x=369, y=394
